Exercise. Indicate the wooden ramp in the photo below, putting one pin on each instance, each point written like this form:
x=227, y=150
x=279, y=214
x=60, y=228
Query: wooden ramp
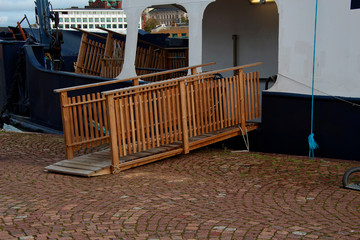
x=149, y=122
x=99, y=163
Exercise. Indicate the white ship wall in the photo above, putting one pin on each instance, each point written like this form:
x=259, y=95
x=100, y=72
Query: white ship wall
x=337, y=65
x=256, y=27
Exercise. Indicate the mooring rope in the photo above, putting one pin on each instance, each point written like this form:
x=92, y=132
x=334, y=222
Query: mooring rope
x=312, y=144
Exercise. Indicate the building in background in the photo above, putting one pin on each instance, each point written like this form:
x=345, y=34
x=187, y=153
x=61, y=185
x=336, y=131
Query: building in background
x=175, y=31
x=168, y=16
x=89, y=19
x=105, y=4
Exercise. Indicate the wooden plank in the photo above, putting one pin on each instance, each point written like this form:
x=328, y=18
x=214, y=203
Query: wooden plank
x=65, y=170
x=76, y=165
x=81, y=122
x=159, y=106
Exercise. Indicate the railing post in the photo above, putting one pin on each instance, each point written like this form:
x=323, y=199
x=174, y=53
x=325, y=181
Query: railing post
x=184, y=116
x=193, y=71
x=242, y=98
x=136, y=82
x=110, y=107
x=66, y=125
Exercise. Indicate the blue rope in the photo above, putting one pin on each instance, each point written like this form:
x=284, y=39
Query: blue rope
x=312, y=144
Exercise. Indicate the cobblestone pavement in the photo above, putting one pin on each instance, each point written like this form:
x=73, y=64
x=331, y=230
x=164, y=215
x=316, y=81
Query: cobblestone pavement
x=207, y=194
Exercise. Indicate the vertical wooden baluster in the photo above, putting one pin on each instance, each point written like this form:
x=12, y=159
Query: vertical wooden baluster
x=156, y=119
x=95, y=111
x=242, y=99
x=101, y=124
x=148, y=118
x=159, y=106
x=86, y=121
x=142, y=127
x=76, y=127
x=118, y=125
x=122, y=125
x=232, y=108
x=127, y=110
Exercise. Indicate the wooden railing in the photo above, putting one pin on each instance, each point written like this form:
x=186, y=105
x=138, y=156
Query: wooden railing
x=149, y=116
x=91, y=53
x=106, y=59
x=84, y=115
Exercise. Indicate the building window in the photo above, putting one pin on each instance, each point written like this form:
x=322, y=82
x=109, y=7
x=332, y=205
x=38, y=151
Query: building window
x=78, y=19
x=60, y=20
x=183, y=35
x=125, y=25
x=66, y=20
x=102, y=19
x=108, y=26
x=124, y=19
x=96, y=19
x=97, y=25
x=85, y=26
x=72, y=25
x=91, y=26
x=66, y=25
x=120, y=20
x=79, y=25
x=114, y=19
x=108, y=19
x=120, y=26
x=91, y=19
x=61, y=26
x=84, y=19
x=174, y=35
x=114, y=26
x=103, y=25
x=72, y=19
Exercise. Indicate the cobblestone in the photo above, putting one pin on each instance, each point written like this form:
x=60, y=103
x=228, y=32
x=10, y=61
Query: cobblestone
x=207, y=194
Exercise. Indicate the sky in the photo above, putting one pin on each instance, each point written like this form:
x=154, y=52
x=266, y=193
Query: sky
x=12, y=11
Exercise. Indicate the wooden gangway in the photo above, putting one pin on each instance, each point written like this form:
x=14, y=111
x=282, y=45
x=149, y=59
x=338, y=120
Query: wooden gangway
x=149, y=122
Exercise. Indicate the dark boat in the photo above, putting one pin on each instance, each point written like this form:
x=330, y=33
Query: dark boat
x=30, y=70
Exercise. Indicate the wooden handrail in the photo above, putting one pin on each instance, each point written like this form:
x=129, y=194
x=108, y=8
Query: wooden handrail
x=193, y=77
x=129, y=79
x=139, y=40
x=90, y=33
